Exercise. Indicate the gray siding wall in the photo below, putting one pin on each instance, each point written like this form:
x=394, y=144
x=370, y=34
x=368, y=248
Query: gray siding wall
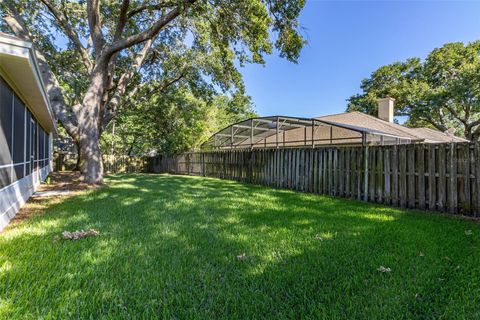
x=14, y=196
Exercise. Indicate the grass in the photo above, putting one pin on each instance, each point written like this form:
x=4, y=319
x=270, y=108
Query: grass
x=168, y=249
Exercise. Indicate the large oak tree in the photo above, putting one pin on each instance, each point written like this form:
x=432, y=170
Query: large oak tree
x=93, y=54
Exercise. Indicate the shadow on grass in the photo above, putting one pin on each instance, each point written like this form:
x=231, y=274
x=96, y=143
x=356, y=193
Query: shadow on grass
x=169, y=244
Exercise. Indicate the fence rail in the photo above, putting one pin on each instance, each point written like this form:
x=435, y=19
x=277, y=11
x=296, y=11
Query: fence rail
x=439, y=177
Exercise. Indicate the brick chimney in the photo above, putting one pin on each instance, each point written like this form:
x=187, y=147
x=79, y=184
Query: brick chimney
x=385, y=108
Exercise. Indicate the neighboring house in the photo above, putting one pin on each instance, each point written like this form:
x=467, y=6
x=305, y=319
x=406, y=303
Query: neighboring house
x=349, y=128
x=384, y=124
x=26, y=126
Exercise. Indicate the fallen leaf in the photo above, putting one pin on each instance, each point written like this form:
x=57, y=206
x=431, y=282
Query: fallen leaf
x=468, y=232
x=241, y=257
x=75, y=235
x=384, y=269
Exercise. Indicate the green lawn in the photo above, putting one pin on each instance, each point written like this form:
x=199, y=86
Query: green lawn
x=169, y=244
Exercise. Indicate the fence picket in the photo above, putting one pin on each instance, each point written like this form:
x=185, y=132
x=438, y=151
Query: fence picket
x=411, y=176
x=387, y=175
x=477, y=178
x=441, y=180
x=402, y=185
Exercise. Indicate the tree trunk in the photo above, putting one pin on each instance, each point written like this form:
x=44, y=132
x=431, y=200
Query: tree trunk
x=90, y=155
x=91, y=165
x=77, y=166
x=468, y=134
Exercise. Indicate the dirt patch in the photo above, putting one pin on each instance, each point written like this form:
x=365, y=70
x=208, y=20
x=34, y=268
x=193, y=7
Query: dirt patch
x=66, y=180
x=61, y=185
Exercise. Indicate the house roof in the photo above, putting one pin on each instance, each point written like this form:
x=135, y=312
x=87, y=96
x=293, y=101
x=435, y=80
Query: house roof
x=368, y=122
x=19, y=67
x=432, y=136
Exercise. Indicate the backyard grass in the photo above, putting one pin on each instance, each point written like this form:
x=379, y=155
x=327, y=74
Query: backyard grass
x=169, y=244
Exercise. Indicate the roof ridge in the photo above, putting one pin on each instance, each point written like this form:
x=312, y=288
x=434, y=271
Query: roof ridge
x=396, y=125
x=334, y=114
x=430, y=129
x=399, y=127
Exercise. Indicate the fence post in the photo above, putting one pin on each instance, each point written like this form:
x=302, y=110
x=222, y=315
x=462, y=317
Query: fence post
x=453, y=179
x=365, y=172
x=477, y=178
x=250, y=166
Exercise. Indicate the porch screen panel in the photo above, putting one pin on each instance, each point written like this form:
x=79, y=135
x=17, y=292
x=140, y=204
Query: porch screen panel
x=35, y=145
x=23, y=142
x=28, y=145
x=49, y=152
x=18, y=138
x=47, y=149
x=6, y=96
x=41, y=145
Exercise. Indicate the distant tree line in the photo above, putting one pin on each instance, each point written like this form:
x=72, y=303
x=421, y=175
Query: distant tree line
x=173, y=122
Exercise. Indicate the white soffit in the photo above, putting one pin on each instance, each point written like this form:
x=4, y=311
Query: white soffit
x=19, y=65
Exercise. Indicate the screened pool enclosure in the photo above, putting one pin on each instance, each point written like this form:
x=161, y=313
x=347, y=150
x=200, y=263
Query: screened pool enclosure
x=285, y=132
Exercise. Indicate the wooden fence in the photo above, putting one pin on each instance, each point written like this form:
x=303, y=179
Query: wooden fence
x=439, y=177
x=111, y=164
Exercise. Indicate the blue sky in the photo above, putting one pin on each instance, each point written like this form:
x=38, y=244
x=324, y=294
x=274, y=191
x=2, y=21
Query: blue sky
x=347, y=41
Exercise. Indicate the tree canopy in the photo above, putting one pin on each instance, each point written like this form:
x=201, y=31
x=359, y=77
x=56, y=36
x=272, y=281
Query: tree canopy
x=95, y=55
x=442, y=91
x=173, y=122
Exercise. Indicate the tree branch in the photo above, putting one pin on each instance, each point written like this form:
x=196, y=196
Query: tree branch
x=62, y=21
x=476, y=133
x=151, y=32
x=122, y=20
x=95, y=24
x=148, y=7
x=165, y=85
x=54, y=91
x=112, y=107
x=430, y=120
x=455, y=114
x=473, y=124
